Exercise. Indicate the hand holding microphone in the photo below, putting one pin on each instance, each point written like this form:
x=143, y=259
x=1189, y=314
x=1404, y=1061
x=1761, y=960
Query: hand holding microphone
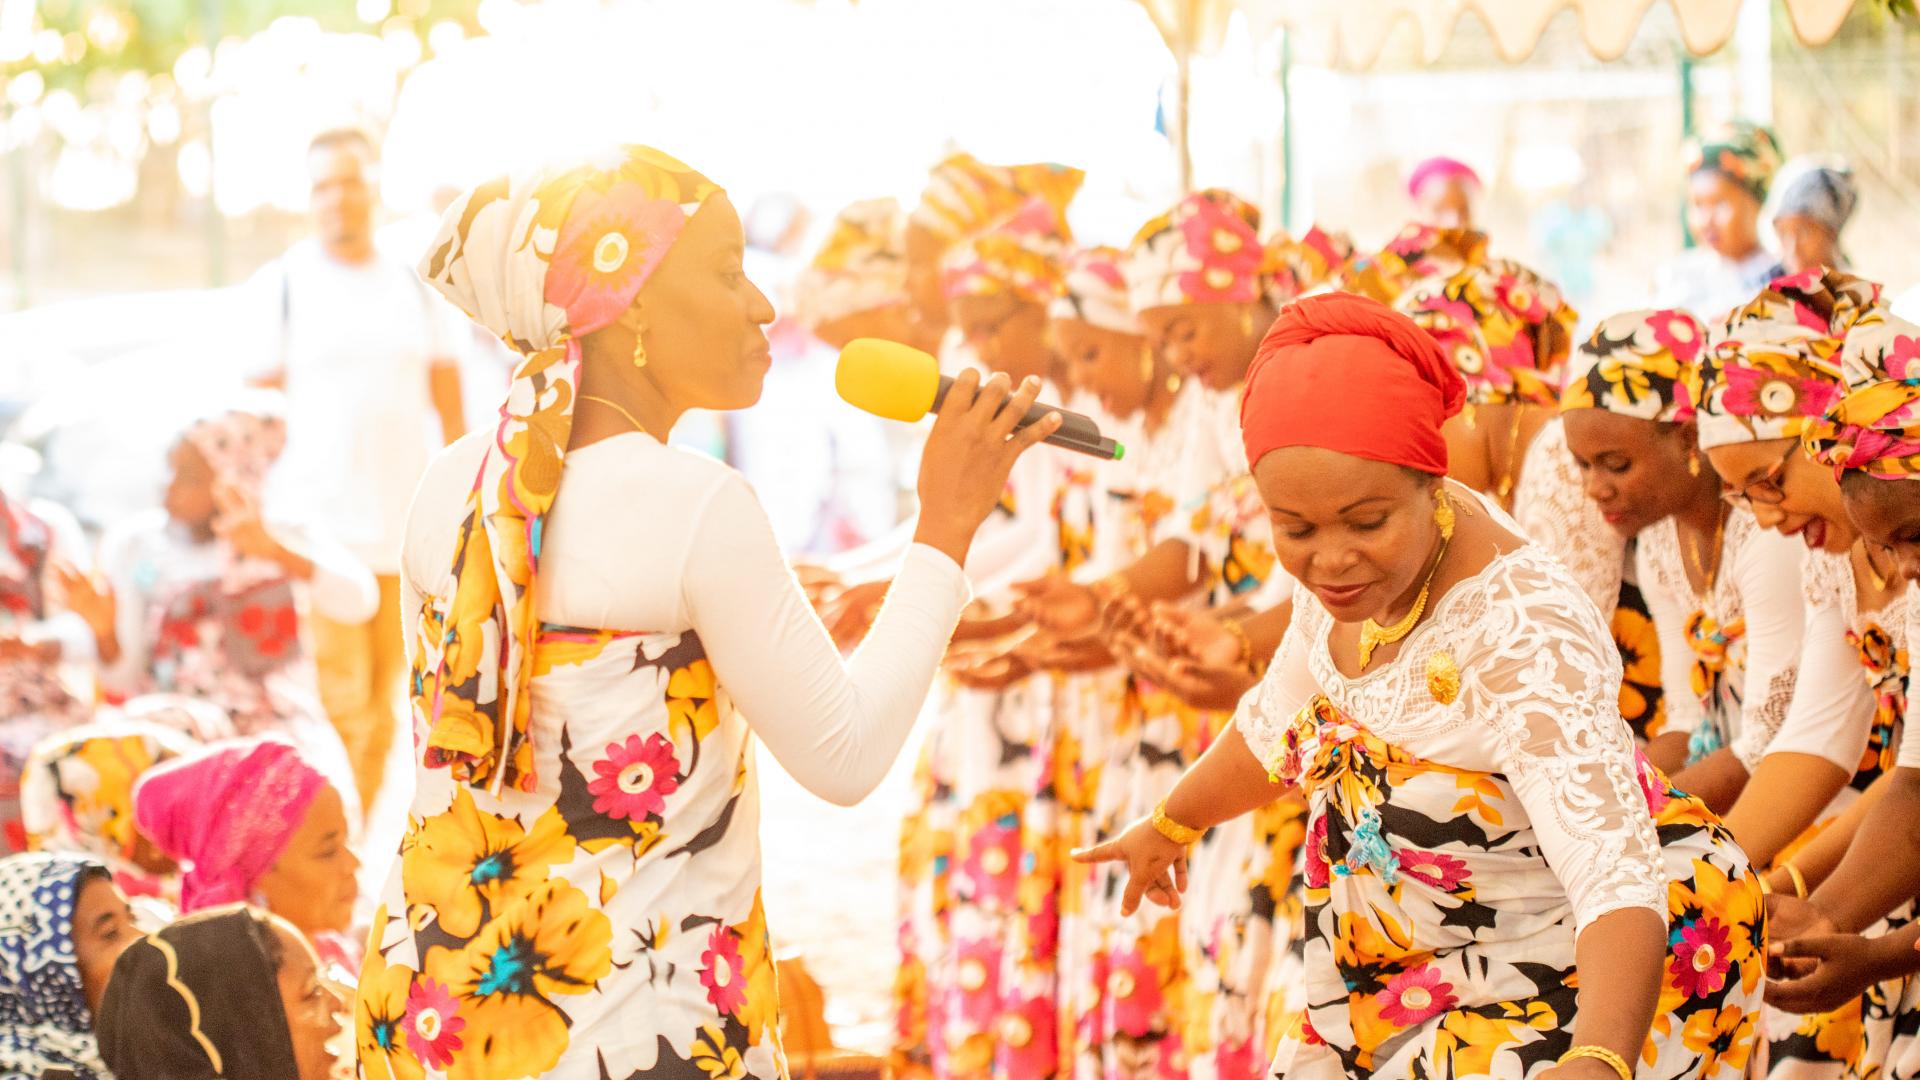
x=968, y=456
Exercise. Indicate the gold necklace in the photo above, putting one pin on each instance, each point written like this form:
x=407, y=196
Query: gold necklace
x=1373, y=635
x=1699, y=565
x=637, y=425
x=1866, y=553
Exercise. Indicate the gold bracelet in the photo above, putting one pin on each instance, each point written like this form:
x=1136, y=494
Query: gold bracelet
x=1246, y=643
x=1173, y=830
x=1799, y=879
x=1599, y=1053
x=1766, y=887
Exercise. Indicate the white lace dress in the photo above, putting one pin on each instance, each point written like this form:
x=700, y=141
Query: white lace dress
x=1729, y=658
x=1464, y=830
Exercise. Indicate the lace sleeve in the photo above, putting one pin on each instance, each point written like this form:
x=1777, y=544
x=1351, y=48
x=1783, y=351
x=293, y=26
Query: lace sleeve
x=1265, y=714
x=1548, y=677
x=1767, y=573
x=1553, y=510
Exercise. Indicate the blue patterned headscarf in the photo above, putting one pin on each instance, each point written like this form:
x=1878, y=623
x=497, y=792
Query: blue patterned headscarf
x=44, y=1022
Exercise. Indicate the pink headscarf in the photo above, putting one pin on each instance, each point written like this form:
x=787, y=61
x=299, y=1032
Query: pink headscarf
x=1439, y=168
x=226, y=814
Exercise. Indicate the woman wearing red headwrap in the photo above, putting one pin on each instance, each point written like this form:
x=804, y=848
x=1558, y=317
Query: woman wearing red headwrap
x=1483, y=837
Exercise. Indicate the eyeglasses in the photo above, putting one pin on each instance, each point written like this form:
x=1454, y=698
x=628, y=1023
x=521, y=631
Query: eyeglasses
x=1766, y=490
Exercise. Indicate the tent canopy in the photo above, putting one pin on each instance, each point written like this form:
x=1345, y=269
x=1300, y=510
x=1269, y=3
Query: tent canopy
x=1352, y=33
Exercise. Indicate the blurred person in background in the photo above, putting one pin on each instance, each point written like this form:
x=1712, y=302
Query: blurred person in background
x=1815, y=202
x=207, y=595
x=1728, y=176
x=41, y=550
x=62, y=927
x=1443, y=191
x=366, y=356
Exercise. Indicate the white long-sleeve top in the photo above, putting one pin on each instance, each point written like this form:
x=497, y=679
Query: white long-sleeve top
x=650, y=538
x=1758, y=583
x=1832, y=711
x=1550, y=503
x=1538, y=704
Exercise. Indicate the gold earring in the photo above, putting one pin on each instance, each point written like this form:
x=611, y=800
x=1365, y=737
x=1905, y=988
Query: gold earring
x=1146, y=365
x=1693, y=462
x=640, y=348
x=1246, y=322
x=1173, y=383
x=1443, y=514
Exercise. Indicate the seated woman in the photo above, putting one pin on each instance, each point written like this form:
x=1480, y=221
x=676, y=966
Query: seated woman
x=62, y=926
x=208, y=597
x=1483, y=837
x=77, y=798
x=1814, y=203
x=46, y=603
x=253, y=821
x=230, y=993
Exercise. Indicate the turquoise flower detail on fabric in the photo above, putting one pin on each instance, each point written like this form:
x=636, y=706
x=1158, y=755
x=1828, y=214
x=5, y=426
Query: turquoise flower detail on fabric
x=1705, y=739
x=1370, y=851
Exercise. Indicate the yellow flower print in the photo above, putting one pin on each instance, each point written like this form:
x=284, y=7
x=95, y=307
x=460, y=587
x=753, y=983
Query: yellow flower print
x=721, y=1062
x=1724, y=1039
x=690, y=701
x=550, y=942
x=379, y=1015
x=467, y=864
x=557, y=649
x=761, y=1013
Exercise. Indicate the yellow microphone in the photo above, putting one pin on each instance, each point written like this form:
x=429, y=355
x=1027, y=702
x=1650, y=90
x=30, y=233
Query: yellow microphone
x=900, y=382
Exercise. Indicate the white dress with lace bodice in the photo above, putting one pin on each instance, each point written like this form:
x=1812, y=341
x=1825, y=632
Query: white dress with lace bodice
x=1537, y=704
x=1553, y=510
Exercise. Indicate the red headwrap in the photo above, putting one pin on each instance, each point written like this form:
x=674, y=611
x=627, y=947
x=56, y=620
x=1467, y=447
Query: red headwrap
x=1349, y=374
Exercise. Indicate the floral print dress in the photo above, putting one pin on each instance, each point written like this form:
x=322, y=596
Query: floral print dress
x=34, y=698
x=1874, y=1035
x=1462, y=835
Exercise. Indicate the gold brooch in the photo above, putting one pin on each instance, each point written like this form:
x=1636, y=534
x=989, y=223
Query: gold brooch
x=1443, y=678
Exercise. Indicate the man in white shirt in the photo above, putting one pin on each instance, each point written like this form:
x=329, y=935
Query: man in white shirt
x=366, y=356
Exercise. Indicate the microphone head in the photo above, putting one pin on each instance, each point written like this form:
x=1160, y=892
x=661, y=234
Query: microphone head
x=887, y=379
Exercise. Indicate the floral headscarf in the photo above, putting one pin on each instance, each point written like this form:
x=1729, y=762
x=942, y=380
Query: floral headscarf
x=1096, y=291
x=1744, y=152
x=541, y=260
x=1302, y=265
x=1206, y=250
x=964, y=195
x=862, y=266
x=25, y=542
x=1636, y=364
x=226, y=813
x=1875, y=427
x=1774, y=369
x=1419, y=252
x=240, y=445
x=76, y=794
x=44, y=1020
x=1505, y=327
x=1022, y=256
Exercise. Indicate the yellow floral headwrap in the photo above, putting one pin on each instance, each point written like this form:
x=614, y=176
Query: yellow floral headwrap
x=1773, y=370
x=541, y=260
x=1636, y=364
x=964, y=195
x=76, y=792
x=1875, y=427
x=1505, y=327
x=1419, y=252
x=862, y=265
x=1023, y=256
x=1302, y=265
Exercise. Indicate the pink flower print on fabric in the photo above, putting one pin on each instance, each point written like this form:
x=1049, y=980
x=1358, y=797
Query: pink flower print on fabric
x=611, y=242
x=1443, y=872
x=721, y=972
x=1757, y=392
x=433, y=1023
x=1414, y=997
x=1133, y=993
x=1702, y=954
x=992, y=869
x=635, y=778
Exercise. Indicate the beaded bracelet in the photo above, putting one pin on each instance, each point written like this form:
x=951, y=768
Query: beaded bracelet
x=1602, y=1054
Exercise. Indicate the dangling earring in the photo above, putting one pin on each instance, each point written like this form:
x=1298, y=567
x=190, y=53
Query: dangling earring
x=1246, y=322
x=1173, y=383
x=1693, y=462
x=640, y=348
x=1443, y=514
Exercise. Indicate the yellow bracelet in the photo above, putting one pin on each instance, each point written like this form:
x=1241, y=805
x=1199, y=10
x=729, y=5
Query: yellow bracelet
x=1766, y=887
x=1599, y=1053
x=1799, y=879
x=1173, y=830
x=1239, y=633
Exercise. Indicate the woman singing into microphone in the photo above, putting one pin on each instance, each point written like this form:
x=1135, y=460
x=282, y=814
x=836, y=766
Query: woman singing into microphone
x=598, y=625
x=1497, y=885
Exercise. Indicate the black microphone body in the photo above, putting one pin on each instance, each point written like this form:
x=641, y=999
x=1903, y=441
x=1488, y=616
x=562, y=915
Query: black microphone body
x=1076, y=432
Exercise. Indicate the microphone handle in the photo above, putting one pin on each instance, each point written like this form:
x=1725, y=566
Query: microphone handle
x=1076, y=432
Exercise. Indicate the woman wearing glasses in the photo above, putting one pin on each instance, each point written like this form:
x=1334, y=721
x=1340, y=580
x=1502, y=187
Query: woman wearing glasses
x=1770, y=377
x=1724, y=594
